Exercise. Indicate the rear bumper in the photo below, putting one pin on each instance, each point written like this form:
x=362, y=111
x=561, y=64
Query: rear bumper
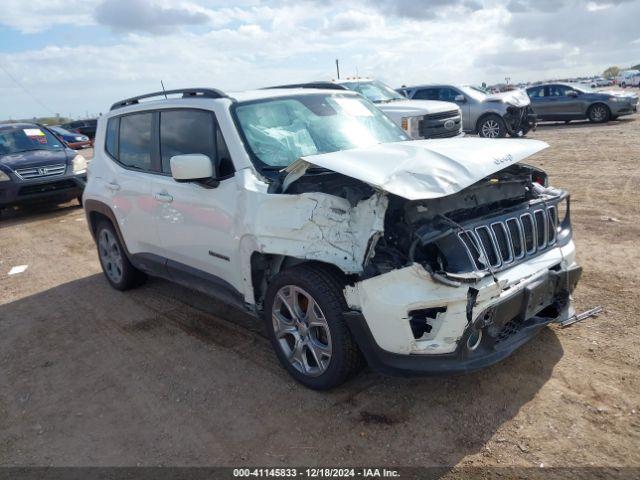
x=504, y=327
x=60, y=189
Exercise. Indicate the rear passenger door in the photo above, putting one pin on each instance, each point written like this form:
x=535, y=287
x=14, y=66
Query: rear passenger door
x=195, y=222
x=126, y=182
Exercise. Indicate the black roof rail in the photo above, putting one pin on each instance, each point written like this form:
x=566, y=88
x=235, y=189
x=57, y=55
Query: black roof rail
x=186, y=93
x=321, y=84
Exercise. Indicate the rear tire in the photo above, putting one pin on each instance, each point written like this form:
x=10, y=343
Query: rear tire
x=117, y=268
x=598, y=113
x=492, y=126
x=304, y=321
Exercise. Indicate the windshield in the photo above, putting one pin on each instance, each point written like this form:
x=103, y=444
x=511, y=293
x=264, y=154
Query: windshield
x=281, y=130
x=375, y=91
x=476, y=93
x=15, y=140
x=61, y=131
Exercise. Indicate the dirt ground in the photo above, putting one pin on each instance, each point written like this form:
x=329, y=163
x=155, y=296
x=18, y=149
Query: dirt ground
x=164, y=376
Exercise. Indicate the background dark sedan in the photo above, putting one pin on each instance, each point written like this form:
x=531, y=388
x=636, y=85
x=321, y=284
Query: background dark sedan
x=83, y=127
x=73, y=140
x=36, y=166
x=566, y=102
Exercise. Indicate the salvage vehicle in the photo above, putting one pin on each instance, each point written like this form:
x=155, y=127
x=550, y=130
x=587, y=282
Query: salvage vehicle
x=36, y=166
x=488, y=115
x=420, y=119
x=354, y=243
x=567, y=101
x=82, y=127
x=628, y=78
x=74, y=141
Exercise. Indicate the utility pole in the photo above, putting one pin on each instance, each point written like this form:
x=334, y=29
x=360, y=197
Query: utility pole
x=338, y=68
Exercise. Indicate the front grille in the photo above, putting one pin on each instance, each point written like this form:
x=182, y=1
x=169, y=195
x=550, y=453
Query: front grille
x=441, y=125
x=47, y=187
x=40, y=172
x=441, y=115
x=500, y=244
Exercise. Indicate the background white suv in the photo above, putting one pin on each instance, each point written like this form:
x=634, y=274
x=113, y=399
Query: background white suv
x=421, y=119
x=316, y=211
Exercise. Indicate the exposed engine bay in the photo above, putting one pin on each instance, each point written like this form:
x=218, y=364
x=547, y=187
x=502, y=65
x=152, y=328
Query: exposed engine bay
x=520, y=120
x=493, y=224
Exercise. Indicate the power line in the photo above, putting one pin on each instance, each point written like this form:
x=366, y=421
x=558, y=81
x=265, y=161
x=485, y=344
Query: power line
x=33, y=97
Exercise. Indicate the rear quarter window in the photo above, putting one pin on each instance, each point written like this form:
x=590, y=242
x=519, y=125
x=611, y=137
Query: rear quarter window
x=111, y=137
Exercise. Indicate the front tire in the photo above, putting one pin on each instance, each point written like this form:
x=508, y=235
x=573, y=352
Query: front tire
x=598, y=113
x=492, y=126
x=120, y=273
x=304, y=321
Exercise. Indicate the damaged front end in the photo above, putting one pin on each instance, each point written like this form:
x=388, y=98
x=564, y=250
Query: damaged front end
x=466, y=278
x=520, y=120
x=460, y=275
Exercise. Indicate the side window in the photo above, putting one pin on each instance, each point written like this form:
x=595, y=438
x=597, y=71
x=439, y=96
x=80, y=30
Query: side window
x=557, y=90
x=183, y=132
x=426, y=94
x=135, y=140
x=111, y=140
x=448, y=94
x=536, y=92
x=192, y=131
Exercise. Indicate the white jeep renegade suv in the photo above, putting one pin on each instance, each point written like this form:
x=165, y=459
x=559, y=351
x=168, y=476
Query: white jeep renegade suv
x=315, y=211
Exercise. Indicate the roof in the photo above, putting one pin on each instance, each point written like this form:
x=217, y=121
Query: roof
x=250, y=95
x=242, y=96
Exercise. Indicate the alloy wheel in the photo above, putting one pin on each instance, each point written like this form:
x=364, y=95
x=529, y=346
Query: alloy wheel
x=301, y=330
x=110, y=255
x=599, y=113
x=490, y=129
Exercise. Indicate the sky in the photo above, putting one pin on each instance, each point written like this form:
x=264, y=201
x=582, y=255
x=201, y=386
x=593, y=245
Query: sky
x=77, y=57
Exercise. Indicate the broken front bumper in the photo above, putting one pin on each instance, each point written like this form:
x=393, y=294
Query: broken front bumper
x=472, y=328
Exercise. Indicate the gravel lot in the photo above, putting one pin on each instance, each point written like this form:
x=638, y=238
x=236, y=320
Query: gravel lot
x=165, y=376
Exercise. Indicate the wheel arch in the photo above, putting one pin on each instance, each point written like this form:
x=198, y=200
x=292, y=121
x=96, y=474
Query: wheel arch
x=482, y=117
x=96, y=211
x=602, y=103
x=265, y=266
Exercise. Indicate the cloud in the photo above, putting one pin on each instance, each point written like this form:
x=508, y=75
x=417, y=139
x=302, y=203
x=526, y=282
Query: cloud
x=35, y=16
x=146, y=16
x=417, y=10
x=350, y=21
x=255, y=43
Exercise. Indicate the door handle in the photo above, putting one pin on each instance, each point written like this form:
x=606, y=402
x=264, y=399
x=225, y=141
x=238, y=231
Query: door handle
x=113, y=186
x=163, y=197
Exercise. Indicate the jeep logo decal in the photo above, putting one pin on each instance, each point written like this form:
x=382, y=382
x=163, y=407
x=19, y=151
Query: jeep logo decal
x=506, y=159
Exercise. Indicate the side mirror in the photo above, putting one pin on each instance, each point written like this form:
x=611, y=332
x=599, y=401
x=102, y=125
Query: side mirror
x=572, y=93
x=459, y=98
x=194, y=166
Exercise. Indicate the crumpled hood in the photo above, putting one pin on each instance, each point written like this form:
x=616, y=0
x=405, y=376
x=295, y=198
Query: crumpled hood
x=422, y=169
x=411, y=108
x=517, y=98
